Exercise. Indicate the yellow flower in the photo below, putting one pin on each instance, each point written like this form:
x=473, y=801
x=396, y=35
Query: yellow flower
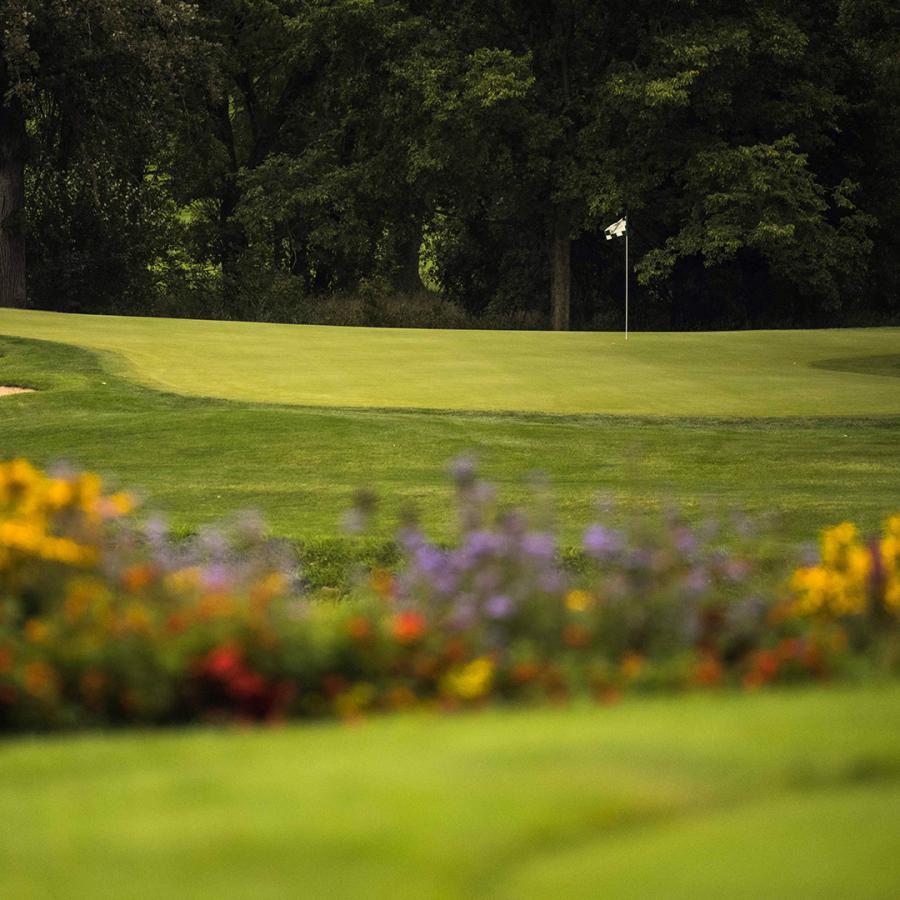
x=89, y=487
x=136, y=618
x=892, y=597
x=892, y=526
x=578, y=600
x=36, y=631
x=186, y=579
x=836, y=541
x=59, y=493
x=471, y=681
x=350, y=703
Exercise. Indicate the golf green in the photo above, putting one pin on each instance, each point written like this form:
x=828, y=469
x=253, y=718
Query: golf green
x=846, y=372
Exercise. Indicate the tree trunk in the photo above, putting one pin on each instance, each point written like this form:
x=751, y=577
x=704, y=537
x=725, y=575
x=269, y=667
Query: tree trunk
x=232, y=240
x=12, y=204
x=561, y=277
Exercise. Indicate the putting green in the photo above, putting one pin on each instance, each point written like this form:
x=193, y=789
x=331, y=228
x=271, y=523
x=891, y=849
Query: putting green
x=788, y=794
x=847, y=372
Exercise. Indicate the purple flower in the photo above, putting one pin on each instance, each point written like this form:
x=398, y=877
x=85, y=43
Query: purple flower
x=410, y=538
x=464, y=614
x=481, y=543
x=602, y=542
x=736, y=569
x=428, y=559
x=684, y=540
x=445, y=581
x=500, y=606
x=539, y=545
x=212, y=543
x=217, y=578
x=551, y=581
x=698, y=581
x=487, y=580
x=156, y=530
x=463, y=470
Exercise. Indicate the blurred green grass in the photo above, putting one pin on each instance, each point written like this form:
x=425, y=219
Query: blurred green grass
x=782, y=794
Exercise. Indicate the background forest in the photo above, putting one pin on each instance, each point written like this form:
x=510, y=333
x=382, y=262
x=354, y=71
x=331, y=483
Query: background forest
x=320, y=160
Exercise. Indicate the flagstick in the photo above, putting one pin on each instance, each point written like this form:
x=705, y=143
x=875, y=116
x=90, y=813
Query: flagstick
x=627, y=229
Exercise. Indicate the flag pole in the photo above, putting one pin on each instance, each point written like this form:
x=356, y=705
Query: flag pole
x=627, y=229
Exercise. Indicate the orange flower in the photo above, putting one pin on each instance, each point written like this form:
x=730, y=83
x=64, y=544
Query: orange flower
x=708, y=671
x=576, y=636
x=359, y=628
x=790, y=648
x=270, y=587
x=40, y=679
x=632, y=665
x=177, y=622
x=215, y=606
x=401, y=697
x=136, y=578
x=766, y=664
x=92, y=684
x=36, y=631
x=608, y=695
x=408, y=626
x=382, y=582
x=6, y=660
x=524, y=672
x=454, y=650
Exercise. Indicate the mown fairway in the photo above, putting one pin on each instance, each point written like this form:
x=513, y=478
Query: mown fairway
x=200, y=458
x=789, y=795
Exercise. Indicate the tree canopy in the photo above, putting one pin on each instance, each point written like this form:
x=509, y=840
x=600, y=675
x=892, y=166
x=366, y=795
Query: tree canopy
x=251, y=158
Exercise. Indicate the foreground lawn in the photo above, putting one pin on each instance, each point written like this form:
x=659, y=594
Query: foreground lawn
x=790, y=795
x=202, y=459
x=846, y=372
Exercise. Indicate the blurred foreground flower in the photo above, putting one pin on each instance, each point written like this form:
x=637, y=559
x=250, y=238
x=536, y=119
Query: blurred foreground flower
x=107, y=618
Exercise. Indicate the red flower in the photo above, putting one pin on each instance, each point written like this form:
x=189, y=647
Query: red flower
x=224, y=662
x=409, y=626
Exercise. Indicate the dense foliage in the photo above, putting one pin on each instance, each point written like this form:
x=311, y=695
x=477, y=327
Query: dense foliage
x=105, y=618
x=270, y=158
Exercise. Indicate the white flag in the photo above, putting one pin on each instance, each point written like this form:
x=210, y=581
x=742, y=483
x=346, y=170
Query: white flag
x=617, y=229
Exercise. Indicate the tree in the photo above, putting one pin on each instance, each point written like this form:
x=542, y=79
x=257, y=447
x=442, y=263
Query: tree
x=85, y=91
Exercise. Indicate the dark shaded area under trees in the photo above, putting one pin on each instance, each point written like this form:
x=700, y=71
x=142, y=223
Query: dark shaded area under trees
x=272, y=159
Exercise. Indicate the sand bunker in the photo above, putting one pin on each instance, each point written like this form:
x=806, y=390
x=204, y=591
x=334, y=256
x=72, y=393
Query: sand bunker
x=6, y=390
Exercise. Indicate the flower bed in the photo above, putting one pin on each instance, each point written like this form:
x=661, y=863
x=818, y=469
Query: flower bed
x=106, y=619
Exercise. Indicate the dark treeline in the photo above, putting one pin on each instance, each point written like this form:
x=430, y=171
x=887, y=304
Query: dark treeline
x=271, y=158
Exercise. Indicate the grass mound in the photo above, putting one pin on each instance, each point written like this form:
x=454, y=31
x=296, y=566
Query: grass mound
x=793, y=794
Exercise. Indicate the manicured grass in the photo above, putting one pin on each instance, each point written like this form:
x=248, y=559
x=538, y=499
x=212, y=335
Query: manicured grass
x=201, y=459
x=792, y=794
x=848, y=372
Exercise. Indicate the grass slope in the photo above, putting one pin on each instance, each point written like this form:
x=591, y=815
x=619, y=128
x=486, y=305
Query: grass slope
x=794, y=794
x=848, y=372
x=201, y=459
